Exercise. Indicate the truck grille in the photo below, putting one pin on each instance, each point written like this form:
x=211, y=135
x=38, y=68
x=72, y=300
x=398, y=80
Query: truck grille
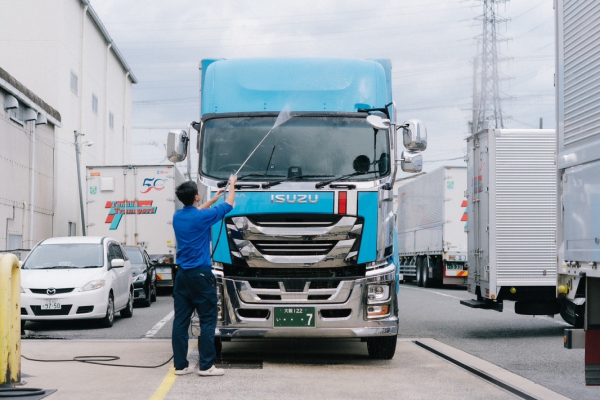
x=295, y=220
x=295, y=248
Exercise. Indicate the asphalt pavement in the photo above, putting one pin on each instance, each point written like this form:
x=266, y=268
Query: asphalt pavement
x=527, y=346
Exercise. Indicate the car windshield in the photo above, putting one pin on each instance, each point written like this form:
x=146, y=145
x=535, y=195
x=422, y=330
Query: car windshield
x=323, y=146
x=134, y=254
x=65, y=256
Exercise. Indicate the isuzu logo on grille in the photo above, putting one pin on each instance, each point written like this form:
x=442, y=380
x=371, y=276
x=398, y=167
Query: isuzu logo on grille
x=51, y=291
x=294, y=198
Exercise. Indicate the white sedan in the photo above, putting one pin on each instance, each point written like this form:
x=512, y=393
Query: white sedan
x=76, y=278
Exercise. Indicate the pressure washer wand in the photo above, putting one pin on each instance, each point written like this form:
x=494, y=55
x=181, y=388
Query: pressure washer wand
x=253, y=151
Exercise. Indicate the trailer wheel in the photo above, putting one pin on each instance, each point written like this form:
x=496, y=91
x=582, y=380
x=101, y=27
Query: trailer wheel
x=419, y=268
x=382, y=348
x=427, y=281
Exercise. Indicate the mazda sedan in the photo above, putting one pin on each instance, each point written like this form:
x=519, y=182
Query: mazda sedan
x=76, y=278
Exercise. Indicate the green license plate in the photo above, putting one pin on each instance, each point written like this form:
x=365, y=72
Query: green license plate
x=294, y=316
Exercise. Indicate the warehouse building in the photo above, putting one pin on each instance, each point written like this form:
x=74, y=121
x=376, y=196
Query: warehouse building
x=61, y=51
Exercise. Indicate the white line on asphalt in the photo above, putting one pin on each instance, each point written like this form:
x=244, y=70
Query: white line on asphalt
x=550, y=319
x=160, y=324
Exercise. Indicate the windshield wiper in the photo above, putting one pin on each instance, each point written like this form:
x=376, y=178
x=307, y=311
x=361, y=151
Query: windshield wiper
x=91, y=266
x=291, y=178
x=224, y=182
x=341, y=178
x=56, y=267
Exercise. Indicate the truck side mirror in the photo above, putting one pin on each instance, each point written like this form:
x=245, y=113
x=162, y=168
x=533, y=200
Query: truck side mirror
x=411, y=162
x=414, y=135
x=177, y=144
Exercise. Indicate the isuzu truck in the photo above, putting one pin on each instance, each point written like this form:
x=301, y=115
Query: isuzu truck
x=308, y=250
x=432, y=224
x=578, y=174
x=135, y=205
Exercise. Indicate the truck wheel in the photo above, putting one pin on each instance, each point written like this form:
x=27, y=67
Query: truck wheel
x=382, y=348
x=425, y=275
x=419, y=268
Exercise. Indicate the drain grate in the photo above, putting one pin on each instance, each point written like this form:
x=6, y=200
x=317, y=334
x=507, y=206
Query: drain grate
x=238, y=363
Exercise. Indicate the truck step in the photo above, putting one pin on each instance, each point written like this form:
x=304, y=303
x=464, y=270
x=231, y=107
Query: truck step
x=484, y=305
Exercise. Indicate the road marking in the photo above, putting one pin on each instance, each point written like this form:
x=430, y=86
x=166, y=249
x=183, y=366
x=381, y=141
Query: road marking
x=549, y=319
x=432, y=291
x=165, y=386
x=169, y=380
x=158, y=326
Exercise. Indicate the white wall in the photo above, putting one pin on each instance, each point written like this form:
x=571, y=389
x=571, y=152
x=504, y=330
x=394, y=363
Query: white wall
x=16, y=141
x=46, y=41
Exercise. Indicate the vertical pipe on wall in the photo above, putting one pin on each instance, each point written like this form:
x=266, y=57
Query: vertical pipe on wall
x=124, y=115
x=80, y=129
x=105, y=130
x=31, y=185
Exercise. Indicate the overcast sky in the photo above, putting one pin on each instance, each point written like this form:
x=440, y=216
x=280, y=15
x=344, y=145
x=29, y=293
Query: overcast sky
x=432, y=44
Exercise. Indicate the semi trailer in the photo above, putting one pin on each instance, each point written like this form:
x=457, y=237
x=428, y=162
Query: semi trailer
x=578, y=174
x=135, y=205
x=308, y=250
x=431, y=223
x=511, y=200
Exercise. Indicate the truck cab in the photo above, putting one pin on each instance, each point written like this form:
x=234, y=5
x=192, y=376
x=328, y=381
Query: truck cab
x=309, y=248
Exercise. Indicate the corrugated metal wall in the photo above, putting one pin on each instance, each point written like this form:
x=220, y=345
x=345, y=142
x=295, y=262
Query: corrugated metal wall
x=581, y=72
x=525, y=208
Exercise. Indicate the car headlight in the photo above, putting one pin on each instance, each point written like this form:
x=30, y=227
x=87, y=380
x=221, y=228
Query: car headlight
x=378, y=293
x=140, y=277
x=93, y=285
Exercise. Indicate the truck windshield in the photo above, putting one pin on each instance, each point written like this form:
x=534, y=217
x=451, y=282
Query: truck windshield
x=65, y=256
x=328, y=145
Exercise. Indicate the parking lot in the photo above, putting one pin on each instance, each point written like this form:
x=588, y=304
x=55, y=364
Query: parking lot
x=528, y=347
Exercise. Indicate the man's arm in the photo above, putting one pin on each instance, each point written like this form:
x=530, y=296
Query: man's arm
x=231, y=196
x=211, y=201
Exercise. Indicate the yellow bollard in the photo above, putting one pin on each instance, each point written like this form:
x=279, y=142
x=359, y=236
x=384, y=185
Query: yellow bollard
x=10, y=320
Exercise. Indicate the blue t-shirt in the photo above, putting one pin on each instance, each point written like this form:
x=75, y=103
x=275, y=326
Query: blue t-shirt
x=192, y=230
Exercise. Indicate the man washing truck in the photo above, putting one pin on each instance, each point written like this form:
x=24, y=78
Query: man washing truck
x=195, y=284
x=308, y=250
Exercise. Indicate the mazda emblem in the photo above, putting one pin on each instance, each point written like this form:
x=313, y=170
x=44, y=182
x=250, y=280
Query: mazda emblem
x=51, y=291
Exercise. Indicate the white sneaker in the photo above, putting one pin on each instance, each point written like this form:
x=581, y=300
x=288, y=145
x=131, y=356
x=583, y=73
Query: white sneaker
x=212, y=371
x=184, y=371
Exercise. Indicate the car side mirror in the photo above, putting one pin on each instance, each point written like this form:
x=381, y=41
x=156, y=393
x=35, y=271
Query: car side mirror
x=411, y=162
x=177, y=144
x=117, y=263
x=414, y=135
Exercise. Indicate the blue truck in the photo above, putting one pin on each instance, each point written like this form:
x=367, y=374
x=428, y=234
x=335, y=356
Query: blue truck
x=309, y=250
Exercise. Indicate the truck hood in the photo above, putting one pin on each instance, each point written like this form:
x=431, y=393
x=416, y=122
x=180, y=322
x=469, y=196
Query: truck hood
x=59, y=278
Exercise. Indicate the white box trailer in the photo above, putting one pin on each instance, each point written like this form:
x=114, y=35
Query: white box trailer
x=135, y=204
x=578, y=177
x=512, y=217
x=431, y=220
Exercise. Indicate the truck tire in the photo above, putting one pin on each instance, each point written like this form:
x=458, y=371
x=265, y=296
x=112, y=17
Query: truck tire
x=382, y=348
x=419, y=268
x=537, y=307
x=427, y=281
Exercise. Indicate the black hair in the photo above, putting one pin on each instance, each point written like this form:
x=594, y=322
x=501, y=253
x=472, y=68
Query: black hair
x=186, y=192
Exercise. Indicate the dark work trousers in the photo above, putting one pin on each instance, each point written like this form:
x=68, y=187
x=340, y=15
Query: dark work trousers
x=194, y=290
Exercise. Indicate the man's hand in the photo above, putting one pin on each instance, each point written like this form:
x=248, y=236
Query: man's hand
x=216, y=196
x=232, y=180
x=231, y=196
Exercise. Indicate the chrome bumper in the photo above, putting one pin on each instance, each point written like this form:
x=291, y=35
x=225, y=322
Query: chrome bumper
x=355, y=325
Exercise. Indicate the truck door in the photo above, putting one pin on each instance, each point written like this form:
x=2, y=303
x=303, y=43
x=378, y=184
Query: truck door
x=478, y=209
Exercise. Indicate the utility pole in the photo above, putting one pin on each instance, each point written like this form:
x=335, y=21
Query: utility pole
x=474, y=124
x=490, y=104
x=77, y=152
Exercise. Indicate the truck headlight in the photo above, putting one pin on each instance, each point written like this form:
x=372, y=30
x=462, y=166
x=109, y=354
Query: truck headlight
x=377, y=311
x=378, y=293
x=93, y=285
x=140, y=277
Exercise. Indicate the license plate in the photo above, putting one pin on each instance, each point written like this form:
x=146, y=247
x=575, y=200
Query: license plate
x=294, y=316
x=51, y=305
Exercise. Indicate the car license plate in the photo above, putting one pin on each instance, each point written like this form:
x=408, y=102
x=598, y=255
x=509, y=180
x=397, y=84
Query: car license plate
x=51, y=305
x=294, y=316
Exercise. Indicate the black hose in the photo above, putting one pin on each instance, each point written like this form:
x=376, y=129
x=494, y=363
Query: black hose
x=11, y=393
x=100, y=360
